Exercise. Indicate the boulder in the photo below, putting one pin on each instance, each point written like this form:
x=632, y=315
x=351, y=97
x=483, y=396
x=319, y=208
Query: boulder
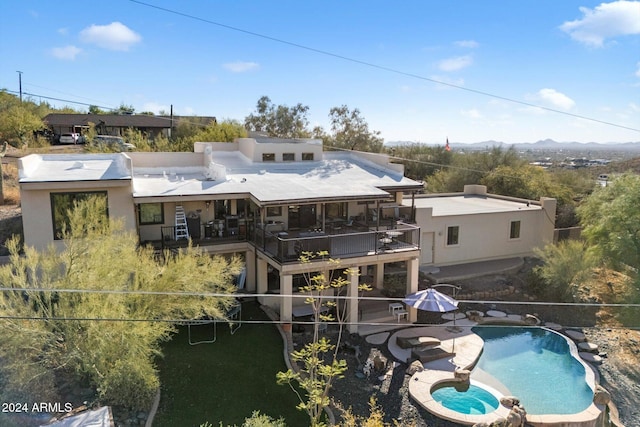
x=379, y=363
x=462, y=375
x=509, y=401
x=531, y=320
x=415, y=366
x=601, y=396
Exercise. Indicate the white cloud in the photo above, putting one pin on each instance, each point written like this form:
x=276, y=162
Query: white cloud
x=605, y=21
x=454, y=64
x=68, y=53
x=471, y=44
x=241, y=67
x=115, y=36
x=472, y=113
x=555, y=99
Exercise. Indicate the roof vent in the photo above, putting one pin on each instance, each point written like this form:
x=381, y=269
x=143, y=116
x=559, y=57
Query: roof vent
x=77, y=165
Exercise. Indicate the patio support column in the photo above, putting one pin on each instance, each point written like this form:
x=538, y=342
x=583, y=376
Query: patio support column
x=412, y=284
x=262, y=276
x=286, y=290
x=352, y=304
x=250, y=264
x=378, y=275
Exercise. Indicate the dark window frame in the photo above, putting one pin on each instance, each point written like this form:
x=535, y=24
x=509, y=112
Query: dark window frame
x=76, y=195
x=515, y=228
x=155, y=220
x=453, y=235
x=268, y=157
x=288, y=157
x=274, y=211
x=308, y=157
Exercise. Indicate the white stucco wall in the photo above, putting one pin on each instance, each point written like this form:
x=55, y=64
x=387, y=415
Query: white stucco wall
x=36, y=209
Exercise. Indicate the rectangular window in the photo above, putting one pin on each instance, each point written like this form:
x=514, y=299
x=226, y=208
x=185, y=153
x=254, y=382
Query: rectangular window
x=453, y=235
x=336, y=210
x=288, y=157
x=268, y=157
x=151, y=213
x=63, y=203
x=515, y=230
x=307, y=156
x=274, y=211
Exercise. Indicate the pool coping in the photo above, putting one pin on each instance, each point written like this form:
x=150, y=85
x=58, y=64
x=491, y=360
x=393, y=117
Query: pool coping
x=468, y=350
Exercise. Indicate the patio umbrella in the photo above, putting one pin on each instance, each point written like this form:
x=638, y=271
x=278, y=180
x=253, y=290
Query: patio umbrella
x=432, y=300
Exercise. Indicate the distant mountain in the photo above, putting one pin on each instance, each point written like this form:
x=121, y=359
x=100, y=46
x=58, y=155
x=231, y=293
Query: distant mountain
x=546, y=144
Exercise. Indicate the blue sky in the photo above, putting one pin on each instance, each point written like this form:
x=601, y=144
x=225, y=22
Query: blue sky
x=579, y=57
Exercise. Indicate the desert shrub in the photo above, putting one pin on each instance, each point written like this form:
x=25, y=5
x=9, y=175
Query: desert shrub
x=565, y=266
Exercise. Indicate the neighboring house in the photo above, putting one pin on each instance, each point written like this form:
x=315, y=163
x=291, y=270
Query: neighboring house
x=115, y=124
x=475, y=226
x=264, y=199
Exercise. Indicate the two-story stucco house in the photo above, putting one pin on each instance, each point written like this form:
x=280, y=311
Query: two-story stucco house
x=268, y=200
x=265, y=199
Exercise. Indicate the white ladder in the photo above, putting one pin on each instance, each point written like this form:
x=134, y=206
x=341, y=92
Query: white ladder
x=182, y=232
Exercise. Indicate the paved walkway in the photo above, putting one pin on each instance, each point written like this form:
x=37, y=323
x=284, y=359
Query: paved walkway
x=450, y=273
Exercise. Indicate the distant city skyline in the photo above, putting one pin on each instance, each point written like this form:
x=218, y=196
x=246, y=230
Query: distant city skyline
x=469, y=71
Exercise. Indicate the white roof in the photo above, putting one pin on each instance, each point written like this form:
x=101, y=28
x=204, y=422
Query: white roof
x=337, y=176
x=73, y=167
x=100, y=417
x=469, y=205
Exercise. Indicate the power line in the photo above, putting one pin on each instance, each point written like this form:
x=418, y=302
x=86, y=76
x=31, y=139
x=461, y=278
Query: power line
x=377, y=66
x=300, y=296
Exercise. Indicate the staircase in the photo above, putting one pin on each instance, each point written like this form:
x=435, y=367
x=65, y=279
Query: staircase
x=182, y=232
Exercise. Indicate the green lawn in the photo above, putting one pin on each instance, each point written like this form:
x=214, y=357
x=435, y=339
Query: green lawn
x=227, y=380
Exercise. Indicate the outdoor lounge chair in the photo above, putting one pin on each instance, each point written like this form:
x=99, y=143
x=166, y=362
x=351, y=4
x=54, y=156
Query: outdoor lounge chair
x=412, y=342
x=425, y=355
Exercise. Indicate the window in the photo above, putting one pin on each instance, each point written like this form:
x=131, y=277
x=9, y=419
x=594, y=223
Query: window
x=288, y=157
x=515, y=230
x=63, y=203
x=307, y=156
x=336, y=210
x=151, y=213
x=268, y=157
x=453, y=235
x=274, y=211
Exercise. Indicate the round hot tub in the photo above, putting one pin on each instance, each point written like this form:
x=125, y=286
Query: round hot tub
x=465, y=399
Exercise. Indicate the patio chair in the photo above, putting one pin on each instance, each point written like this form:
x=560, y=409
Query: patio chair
x=425, y=355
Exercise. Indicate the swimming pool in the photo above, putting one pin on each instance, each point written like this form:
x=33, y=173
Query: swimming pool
x=472, y=400
x=536, y=365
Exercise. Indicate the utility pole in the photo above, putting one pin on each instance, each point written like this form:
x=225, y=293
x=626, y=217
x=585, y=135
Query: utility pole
x=20, y=83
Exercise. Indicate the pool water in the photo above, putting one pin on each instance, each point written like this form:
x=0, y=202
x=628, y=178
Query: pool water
x=536, y=366
x=473, y=401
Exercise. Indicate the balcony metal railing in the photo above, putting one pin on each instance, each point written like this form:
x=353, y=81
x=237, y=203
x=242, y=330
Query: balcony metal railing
x=285, y=248
x=288, y=246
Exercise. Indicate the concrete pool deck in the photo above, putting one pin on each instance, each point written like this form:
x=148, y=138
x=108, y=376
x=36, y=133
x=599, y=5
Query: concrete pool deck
x=467, y=347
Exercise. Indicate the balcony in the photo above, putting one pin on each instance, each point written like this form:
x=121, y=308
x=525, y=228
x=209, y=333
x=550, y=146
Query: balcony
x=287, y=246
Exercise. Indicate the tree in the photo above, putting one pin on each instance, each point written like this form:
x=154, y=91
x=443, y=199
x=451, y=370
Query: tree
x=225, y=131
x=279, y=121
x=526, y=182
x=611, y=221
x=351, y=131
x=97, y=334
x=94, y=109
x=565, y=266
x=471, y=168
x=18, y=125
x=422, y=160
x=319, y=358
